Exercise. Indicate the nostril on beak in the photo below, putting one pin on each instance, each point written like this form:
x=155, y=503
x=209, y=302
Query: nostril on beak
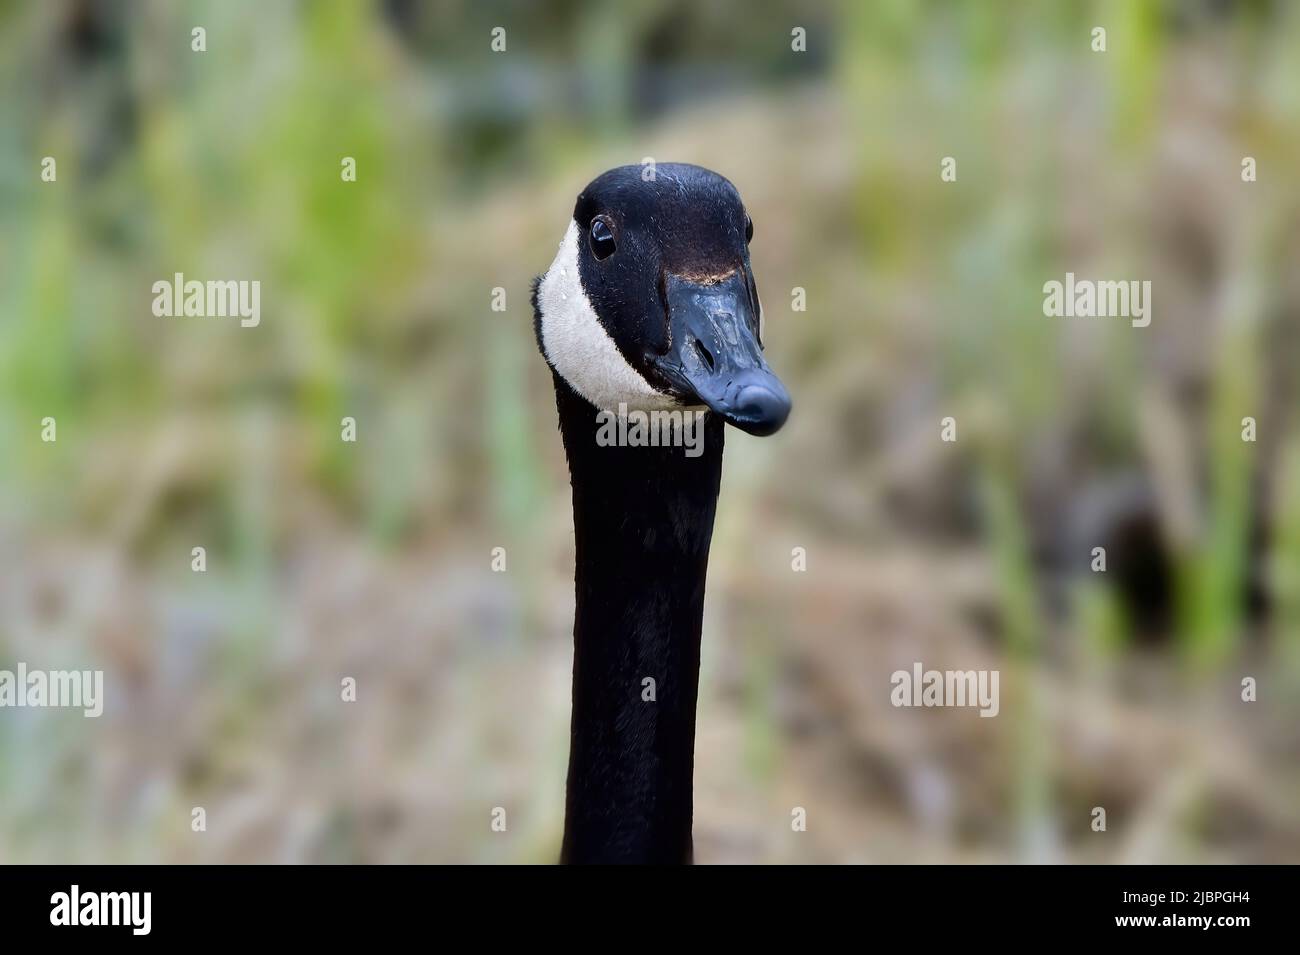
x=704, y=353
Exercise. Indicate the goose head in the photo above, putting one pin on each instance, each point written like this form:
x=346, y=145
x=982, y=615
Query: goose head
x=651, y=302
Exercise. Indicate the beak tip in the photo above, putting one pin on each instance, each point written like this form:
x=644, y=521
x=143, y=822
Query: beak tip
x=760, y=410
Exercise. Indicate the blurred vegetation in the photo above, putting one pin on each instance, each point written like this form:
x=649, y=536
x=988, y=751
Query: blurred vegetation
x=372, y=560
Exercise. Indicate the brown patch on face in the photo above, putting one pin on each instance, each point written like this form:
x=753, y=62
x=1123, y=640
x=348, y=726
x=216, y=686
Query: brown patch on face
x=704, y=277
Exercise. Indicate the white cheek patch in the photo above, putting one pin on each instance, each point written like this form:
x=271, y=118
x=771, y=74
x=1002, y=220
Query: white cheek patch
x=577, y=345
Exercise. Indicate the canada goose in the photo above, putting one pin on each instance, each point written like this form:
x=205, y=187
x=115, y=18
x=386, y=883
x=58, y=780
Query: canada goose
x=650, y=306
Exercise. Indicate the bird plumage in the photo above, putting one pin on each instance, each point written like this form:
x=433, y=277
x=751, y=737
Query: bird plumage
x=650, y=304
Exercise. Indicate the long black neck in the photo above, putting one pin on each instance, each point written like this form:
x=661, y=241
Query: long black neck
x=643, y=519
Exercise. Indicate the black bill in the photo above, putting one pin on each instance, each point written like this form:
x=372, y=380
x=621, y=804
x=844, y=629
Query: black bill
x=716, y=357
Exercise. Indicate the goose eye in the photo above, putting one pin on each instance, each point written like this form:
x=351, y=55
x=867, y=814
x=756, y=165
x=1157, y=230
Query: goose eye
x=749, y=229
x=602, y=238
